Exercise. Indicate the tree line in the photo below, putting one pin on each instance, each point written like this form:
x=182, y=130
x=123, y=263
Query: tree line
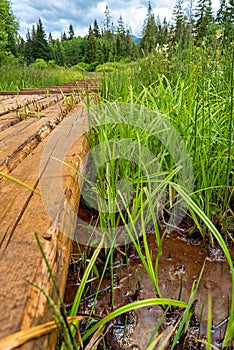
x=114, y=42
x=100, y=45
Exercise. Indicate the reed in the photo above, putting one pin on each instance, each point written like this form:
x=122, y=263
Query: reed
x=17, y=77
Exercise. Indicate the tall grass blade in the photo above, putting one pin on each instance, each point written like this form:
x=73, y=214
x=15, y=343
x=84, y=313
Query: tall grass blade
x=20, y=338
x=18, y=182
x=230, y=326
x=133, y=306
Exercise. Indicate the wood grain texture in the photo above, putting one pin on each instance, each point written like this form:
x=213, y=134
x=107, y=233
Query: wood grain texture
x=23, y=213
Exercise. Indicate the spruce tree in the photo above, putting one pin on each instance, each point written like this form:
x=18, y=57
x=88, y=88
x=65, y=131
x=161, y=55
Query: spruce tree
x=149, y=38
x=58, y=52
x=91, y=47
x=36, y=44
x=131, y=48
x=96, y=30
x=191, y=20
x=180, y=20
x=41, y=47
x=71, y=32
x=28, y=54
x=221, y=16
x=225, y=18
x=50, y=38
x=64, y=36
x=204, y=19
x=70, y=52
x=164, y=35
x=108, y=40
x=21, y=45
x=121, y=39
x=107, y=20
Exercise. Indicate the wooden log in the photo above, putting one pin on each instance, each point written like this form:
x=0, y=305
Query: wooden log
x=15, y=102
x=26, y=108
x=19, y=140
x=21, y=304
x=87, y=84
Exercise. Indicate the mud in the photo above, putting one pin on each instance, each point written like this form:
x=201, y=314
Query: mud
x=180, y=264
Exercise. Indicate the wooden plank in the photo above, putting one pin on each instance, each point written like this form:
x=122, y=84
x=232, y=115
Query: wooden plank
x=89, y=84
x=26, y=107
x=16, y=103
x=12, y=102
x=21, y=304
x=19, y=140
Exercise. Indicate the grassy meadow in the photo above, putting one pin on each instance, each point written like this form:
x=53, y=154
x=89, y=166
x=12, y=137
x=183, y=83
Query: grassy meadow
x=39, y=74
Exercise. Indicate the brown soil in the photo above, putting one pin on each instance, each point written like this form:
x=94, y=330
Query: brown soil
x=179, y=266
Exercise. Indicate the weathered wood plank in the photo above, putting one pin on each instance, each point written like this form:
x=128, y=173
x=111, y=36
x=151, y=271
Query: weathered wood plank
x=21, y=304
x=19, y=140
x=88, y=84
x=26, y=108
x=15, y=102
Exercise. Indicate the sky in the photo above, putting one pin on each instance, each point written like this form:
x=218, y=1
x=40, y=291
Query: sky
x=57, y=15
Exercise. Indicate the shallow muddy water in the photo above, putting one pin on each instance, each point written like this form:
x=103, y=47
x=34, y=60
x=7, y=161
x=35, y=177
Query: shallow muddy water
x=180, y=264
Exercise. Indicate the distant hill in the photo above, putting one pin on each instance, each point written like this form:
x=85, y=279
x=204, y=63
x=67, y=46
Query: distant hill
x=136, y=39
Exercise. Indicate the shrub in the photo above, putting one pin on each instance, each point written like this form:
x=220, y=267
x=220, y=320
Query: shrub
x=81, y=67
x=52, y=64
x=39, y=63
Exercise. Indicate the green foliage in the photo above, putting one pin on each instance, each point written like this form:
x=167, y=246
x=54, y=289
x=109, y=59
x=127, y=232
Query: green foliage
x=36, y=46
x=81, y=67
x=149, y=39
x=94, y=49
x=39, y=63
x=71, y=32
x=52, y=64
x=91, y=47
x=225, y=18
x=195, y=93
x=204, y=19
x=181, y=24
x=114, y=43
x=16, y=77
x=110, y=67
x=8, y=31
x=92, y=66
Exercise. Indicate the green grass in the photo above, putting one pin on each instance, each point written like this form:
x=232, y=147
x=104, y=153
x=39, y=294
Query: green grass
x=14, y=78
x=197, y=97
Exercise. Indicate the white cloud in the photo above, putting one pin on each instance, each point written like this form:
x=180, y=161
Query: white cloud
x=57, y=15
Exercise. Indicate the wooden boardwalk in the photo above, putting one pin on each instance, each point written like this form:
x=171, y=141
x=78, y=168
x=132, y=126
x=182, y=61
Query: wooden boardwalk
x=27, y=120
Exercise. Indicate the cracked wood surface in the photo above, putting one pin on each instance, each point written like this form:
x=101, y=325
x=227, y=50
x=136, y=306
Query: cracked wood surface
x=22, y=214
